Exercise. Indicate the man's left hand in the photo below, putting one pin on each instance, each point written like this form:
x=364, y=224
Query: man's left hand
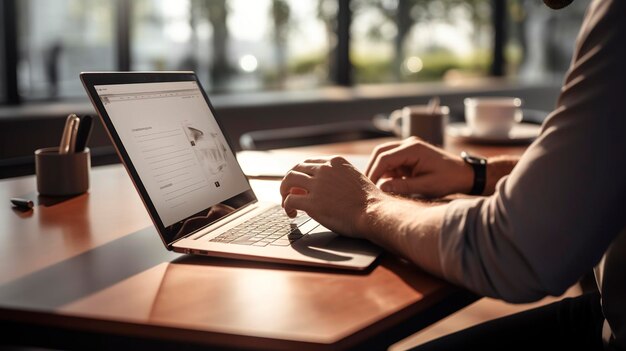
x=332, y=192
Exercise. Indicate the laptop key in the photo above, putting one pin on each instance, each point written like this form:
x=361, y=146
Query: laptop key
x=270, y=228
x=300, y=220
x=307, y=226
x=243, y=242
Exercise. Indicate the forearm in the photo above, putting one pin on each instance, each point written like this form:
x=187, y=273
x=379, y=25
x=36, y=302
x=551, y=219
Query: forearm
x=498, y=167
x=408, y=228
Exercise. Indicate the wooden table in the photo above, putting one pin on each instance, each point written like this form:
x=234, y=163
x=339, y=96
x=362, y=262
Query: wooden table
x=91, y=272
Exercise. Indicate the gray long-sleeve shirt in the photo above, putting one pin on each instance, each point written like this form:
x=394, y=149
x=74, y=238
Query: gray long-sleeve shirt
x=555, y=216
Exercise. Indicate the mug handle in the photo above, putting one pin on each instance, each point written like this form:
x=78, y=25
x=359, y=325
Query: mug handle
x=395, y=118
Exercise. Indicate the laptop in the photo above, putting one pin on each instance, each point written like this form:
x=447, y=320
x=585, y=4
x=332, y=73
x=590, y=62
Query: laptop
x=182, y=164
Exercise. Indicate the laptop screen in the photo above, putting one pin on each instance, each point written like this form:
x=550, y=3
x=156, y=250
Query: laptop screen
x=178, y=151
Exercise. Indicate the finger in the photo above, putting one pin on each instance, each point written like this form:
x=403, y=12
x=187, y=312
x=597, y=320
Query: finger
x=412, y=139
x=294, y=179
x=406, y=155
x=295, y=191
x=294, y=202
x=339, y=161
x=298, y=191
x=313, y=161
x=399, y=172
x=306, y=168
x=404, y=186
x=389, y=161
x=321, y=159
x=377, y=151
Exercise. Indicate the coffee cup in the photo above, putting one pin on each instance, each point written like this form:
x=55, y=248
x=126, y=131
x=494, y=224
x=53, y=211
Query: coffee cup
x=492, y=116
x=425, y=122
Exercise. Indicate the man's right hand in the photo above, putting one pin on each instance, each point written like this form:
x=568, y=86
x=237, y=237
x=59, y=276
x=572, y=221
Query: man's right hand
x=413, y=166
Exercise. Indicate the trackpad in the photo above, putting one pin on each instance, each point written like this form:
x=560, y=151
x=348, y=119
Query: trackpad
x=322, y=238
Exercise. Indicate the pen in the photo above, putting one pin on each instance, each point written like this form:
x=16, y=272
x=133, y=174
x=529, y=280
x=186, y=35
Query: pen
x=22, y=203
x=84, y=131
x=71, y=126
x=73, y=133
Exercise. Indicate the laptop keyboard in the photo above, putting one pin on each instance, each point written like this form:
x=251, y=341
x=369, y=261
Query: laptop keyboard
x=272, y=227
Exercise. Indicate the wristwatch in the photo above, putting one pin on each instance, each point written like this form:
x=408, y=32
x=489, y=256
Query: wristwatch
x=479, y=165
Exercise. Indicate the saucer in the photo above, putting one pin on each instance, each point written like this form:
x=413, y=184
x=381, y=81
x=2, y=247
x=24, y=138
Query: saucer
x=521, y=133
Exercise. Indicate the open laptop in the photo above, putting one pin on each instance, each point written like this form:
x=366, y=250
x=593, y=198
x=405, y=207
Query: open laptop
x=183, y=166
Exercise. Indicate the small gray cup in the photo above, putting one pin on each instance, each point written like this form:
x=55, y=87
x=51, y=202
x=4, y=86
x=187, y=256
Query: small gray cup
x=62, y=175
x=421, y=121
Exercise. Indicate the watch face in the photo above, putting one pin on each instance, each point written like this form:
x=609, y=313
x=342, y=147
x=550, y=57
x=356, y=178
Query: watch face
x=473, y=159
x=477, y=160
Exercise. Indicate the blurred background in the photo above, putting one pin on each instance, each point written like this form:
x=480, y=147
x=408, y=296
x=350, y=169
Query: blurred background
x=252, y=45
x=270, y=64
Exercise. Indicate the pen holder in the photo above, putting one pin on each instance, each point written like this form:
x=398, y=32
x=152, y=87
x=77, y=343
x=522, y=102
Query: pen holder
x=62, y=174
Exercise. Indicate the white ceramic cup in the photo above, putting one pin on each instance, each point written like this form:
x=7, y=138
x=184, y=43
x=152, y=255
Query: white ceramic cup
x=492, y=116
x=422, y=121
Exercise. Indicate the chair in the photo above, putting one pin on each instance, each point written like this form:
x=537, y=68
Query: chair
x=310, y=135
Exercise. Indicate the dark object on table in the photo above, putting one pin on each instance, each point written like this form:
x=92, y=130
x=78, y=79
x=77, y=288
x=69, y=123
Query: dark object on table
x=22, y=204
x=62, y=174
x=84, y=131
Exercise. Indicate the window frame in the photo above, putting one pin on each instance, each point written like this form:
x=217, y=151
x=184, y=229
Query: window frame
x=9, y=60
x=3, y=85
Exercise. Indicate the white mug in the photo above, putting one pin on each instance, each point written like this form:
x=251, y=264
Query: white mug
x=492, y=116
x=422, y=121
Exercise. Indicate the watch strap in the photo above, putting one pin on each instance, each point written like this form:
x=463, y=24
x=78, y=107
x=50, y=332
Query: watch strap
x=479, y=165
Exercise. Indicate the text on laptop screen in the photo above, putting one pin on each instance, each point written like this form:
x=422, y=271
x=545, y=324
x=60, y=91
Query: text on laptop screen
x=176, y=147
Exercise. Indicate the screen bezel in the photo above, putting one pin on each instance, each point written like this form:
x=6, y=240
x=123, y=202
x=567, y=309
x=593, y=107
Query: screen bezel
x=92, y=79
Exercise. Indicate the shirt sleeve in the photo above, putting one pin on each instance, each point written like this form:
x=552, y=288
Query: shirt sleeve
x=554, y=216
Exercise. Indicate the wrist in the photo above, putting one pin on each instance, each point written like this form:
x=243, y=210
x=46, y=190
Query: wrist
x=465, y=177
x=370, y=217
x=391, y=217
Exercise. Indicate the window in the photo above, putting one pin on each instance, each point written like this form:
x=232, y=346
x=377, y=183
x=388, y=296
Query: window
x=234, y=45
x=541, y=42
x=248, y=45
x=59, y=39
x=420, y=40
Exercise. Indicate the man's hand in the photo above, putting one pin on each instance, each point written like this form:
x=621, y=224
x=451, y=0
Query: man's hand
x=412, y=166
x=331, y=191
